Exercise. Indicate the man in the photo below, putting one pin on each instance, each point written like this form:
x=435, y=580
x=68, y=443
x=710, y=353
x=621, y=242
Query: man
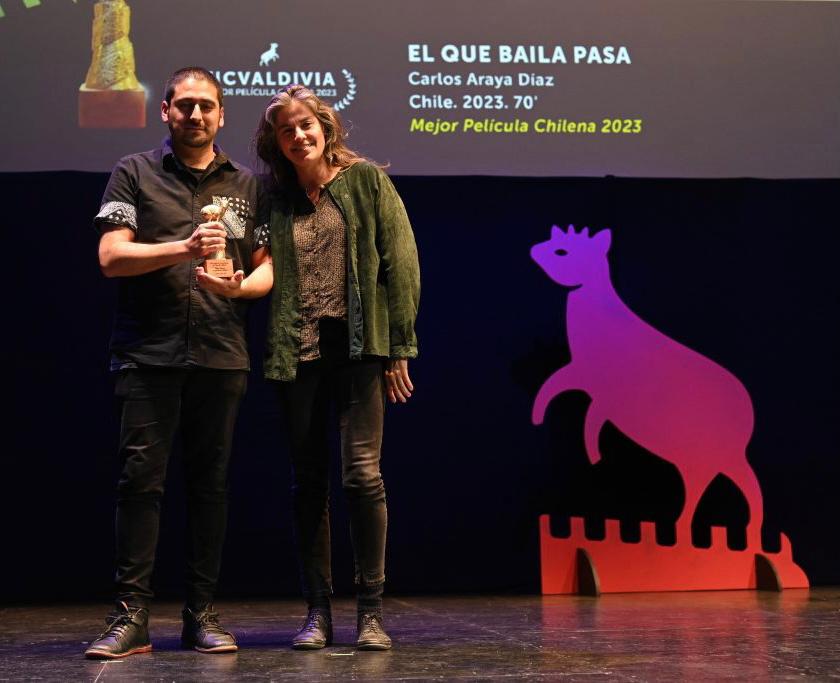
x=179, y=352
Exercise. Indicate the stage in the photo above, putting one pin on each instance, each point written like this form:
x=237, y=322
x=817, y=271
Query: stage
x=736, y=635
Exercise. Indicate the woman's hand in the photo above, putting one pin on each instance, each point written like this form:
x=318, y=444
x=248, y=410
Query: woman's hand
x=397, y=382
x=229, y=287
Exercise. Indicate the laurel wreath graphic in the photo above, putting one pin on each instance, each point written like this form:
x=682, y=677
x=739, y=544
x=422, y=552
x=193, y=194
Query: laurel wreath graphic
x=351, y=91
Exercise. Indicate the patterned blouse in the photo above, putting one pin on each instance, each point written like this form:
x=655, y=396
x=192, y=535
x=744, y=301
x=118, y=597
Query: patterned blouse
x=321, y=246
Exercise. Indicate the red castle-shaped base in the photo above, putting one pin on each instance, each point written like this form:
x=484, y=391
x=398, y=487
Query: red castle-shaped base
x=579, y=565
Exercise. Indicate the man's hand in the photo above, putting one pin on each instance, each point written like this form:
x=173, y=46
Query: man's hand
x=229, y=287
x=397, y=382
x=206, y=239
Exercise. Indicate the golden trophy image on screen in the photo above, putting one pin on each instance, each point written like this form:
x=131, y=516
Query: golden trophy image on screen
x=111, y=96
x=217, y=264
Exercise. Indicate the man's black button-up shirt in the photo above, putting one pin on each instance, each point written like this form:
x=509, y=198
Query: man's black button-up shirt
x=164, y=318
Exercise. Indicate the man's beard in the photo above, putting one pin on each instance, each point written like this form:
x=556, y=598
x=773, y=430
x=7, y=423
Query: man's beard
x=191, y=137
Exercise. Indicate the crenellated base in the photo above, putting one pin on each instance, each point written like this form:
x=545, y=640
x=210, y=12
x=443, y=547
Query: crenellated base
x=579, y=565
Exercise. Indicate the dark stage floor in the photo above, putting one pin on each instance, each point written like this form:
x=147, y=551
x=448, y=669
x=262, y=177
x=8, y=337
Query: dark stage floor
x=640, y=637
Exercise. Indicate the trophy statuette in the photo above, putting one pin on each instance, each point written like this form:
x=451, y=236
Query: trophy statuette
x=111, y=96
x=217, y=264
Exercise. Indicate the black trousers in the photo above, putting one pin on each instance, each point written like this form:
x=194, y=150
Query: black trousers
x=157, y=402
x=355, y=390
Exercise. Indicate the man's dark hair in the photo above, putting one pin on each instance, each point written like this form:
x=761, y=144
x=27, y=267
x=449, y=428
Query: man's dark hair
x=197, y=72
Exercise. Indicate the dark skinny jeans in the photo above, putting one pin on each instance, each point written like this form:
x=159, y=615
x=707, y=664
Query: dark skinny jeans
x=357, y=391
x=156, y=402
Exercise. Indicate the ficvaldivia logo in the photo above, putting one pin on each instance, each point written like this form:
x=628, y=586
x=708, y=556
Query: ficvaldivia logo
x=262, y=82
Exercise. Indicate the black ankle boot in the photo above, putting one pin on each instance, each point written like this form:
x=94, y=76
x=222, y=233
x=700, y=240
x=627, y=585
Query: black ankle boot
x=202, y=632
x=316, y=631
x=126, y=633
x=372, y=635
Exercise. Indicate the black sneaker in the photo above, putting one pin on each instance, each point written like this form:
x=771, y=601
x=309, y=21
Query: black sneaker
x=126, y=633
x=316, y=631
x=202, y=632
x=372, y=634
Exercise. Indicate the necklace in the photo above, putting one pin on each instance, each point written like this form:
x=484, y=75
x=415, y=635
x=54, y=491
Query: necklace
x=313, y=190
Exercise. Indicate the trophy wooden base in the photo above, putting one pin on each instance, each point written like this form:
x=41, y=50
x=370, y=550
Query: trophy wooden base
x=112, y=108
x=219, y=267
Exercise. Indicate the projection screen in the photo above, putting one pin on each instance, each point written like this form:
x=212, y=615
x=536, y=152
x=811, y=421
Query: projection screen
x=647, y=88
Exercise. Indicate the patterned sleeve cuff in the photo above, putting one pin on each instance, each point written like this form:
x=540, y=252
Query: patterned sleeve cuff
x=117, y=213
x=262, y=237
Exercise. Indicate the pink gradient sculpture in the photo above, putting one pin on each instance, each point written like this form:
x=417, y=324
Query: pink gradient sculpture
x=664, y=396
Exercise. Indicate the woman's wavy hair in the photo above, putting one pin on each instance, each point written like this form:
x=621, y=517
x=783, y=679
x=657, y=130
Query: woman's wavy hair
x=336, y=152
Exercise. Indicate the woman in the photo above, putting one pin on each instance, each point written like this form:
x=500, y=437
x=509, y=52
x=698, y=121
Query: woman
x=341, y=330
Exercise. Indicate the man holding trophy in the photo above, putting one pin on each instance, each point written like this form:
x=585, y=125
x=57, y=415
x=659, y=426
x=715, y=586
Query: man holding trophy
x=178, y=351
